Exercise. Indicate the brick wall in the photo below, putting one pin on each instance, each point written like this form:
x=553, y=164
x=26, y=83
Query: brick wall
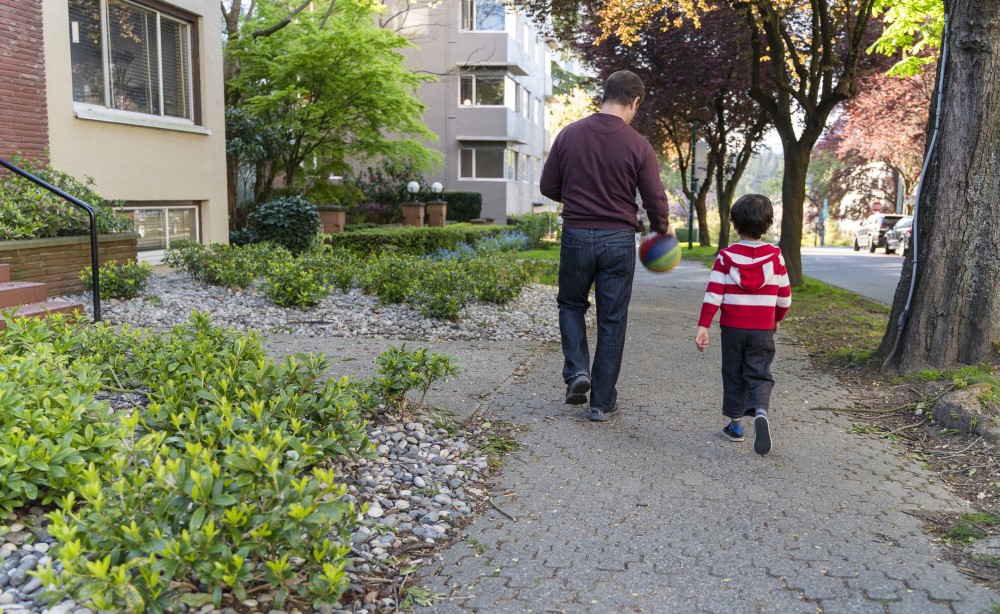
x=23, y=119
x=58, y=262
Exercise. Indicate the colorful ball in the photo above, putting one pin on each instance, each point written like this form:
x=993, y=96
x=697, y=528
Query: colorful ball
x=660, y=253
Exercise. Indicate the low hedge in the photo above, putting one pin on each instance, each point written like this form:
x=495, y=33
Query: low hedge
x=412, y=240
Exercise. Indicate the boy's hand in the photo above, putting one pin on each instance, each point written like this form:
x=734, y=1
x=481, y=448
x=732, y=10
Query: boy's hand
x=777, y=325
x=701, y=339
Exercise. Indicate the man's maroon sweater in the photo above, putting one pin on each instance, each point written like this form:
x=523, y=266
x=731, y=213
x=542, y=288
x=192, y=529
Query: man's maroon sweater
x=594, y=168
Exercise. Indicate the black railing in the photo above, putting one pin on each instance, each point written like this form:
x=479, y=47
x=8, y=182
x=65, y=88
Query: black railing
x=76, y=202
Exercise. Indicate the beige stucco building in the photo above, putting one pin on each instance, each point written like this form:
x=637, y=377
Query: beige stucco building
x=488, y=105
x=133, y=98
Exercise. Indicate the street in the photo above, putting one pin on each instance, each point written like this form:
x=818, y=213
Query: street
x=872, y=275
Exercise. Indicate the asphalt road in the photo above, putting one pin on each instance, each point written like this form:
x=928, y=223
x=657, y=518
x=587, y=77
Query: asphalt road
x=872, y=275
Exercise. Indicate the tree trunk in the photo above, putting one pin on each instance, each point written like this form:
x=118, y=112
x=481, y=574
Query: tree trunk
x=704, y=234
x=793, y=196
x=954, y=316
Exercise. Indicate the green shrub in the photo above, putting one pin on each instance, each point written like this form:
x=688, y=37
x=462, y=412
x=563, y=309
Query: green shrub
x=391, y=277
x=338, y=268
x=401, y=370
x=296, y=283
x=442, y=289
x=232, y=266
x=126, y=280
x=51, y=426
x=334, y=195
x=417, y=241
x=463, y=206
x=535, y=227
x=28, y=211
x=497, y=277
x=222, y=480
x=291, y=221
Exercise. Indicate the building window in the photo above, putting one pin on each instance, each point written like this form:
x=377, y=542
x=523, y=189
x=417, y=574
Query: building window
x=510, y=164
x=526, y=104
x=131, y=57
x=160, y=225
x=483, y=90
x=483, y=15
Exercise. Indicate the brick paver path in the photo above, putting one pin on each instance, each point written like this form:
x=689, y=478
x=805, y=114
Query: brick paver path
x=655, y=512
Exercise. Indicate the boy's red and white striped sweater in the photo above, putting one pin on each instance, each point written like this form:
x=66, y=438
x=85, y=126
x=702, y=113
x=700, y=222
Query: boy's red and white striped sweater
x=750, y=284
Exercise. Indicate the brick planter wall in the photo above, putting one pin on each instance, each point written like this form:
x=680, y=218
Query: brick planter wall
x=23, y=118
x=57, y=262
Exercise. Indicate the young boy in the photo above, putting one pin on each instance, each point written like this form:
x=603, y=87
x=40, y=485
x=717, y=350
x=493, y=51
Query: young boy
x=750, y=285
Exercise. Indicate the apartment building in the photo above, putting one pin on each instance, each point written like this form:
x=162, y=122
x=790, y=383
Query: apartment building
x=129, y=93
x=488, y=106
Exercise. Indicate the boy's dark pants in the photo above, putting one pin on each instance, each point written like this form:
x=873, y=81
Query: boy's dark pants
x=746, y=370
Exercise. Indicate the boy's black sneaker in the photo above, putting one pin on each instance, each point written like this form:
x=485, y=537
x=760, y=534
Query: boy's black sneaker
x=732, y=434
x=762, y=435
x=601, y=415
x=576, y=391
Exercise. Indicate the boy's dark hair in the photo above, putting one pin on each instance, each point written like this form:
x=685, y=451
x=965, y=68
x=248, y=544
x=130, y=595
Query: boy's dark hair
x=752, y=215
x=623, y=87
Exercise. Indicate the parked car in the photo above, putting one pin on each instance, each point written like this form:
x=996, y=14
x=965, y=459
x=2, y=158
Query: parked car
x=872, y=233
x=898, y=237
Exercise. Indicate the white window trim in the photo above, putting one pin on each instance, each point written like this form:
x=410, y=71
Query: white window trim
x=474, y=150
x=475, y=89
x=156, y=256
x=131, y=118
x=473, y=29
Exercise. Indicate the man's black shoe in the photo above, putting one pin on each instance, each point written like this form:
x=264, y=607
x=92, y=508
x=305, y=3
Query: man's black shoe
x=576, y=391
x=599, y=415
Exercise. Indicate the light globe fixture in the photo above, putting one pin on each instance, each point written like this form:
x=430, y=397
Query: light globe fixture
x=413, y=187
x=436, y=187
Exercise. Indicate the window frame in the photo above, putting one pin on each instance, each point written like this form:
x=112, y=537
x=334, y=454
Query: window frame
x=191, y=73
x=475, y=77
x=469, y=13
x=155, y=256
x=474, y=149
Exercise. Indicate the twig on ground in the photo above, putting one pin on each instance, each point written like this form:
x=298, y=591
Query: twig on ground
x=369, y=558
x=947, y=454
x=906, y=428
x=497, y=508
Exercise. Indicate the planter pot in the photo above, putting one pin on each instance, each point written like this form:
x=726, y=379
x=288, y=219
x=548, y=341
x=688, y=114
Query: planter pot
x=413, y=214
x=332, y=219
x=437, y=211
x=57, y=262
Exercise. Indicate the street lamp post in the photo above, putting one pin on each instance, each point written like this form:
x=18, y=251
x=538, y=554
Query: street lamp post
x=413, y=211
x=694, y=182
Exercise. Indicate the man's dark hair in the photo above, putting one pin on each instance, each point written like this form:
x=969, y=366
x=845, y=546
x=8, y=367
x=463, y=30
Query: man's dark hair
x=752, y=215
x=623, y=87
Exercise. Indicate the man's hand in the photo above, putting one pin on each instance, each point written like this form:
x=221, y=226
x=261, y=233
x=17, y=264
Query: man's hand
x=701, y=339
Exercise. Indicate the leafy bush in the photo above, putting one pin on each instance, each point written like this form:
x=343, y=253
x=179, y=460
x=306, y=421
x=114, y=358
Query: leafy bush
x=391, y=277
x=386, y=183
x=463, y=206
x=401, y=370
x=291, y=221
x=338, y=268
x=126, y=280
x=225, y=265
x=497, y=278
x=507, y=241
x=535, y=227
x=28, y=211
x=296, y=283
x=410, y=239
x=221, y=480
x=334, y=195
x=443, y=288
x=51, y=425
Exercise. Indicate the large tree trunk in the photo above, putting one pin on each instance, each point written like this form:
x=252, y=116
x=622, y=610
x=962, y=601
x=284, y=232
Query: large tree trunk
x=793, y=196
x=955, y=311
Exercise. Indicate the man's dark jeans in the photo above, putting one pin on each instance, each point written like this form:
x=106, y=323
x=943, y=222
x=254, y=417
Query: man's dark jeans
x=746, y=370
x=605, y=258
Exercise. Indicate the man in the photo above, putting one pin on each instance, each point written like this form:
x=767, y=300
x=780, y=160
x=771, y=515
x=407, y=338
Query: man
x=595, y=167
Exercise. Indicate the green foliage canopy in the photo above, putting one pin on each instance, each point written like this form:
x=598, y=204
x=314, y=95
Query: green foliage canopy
x=333, y=84
x=912, y=27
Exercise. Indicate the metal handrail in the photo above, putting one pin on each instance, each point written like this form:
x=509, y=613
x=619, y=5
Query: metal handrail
x=76, y=202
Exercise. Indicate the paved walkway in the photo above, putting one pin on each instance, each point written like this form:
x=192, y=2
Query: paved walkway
x=655, y=512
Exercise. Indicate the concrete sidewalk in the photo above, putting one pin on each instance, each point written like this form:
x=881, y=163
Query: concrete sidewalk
x=656, y=512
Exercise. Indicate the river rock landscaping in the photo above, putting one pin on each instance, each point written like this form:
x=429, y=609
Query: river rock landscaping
x=412, y=481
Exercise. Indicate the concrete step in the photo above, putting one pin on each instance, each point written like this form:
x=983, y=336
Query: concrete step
x=41, y=309
x=4, y=272
x=14, y=293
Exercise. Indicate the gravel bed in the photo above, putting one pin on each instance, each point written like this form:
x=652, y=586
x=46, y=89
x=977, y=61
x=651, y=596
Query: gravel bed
x=423, y=485
x=170, y=298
